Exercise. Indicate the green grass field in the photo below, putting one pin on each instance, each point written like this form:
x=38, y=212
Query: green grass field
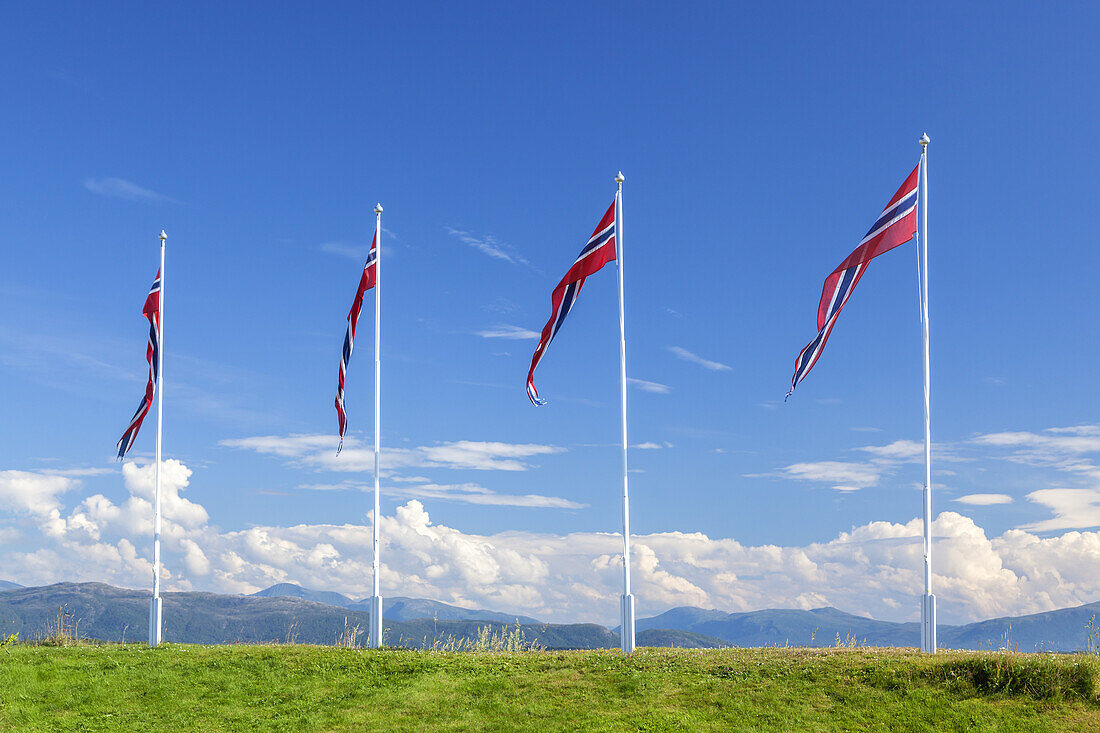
x=260, y=688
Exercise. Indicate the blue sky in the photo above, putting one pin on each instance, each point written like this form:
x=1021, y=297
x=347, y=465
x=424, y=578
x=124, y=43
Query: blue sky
x=758, y=144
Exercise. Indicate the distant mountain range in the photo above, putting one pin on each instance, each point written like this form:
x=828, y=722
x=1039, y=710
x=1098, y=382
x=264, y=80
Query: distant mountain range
x=287, y=612
x=397, y=608
x=8, y=585
x=120, y=614
x=1061, y=630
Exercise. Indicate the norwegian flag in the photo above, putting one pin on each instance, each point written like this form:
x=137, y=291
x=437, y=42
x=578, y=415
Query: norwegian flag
x=366, y=282
x=895, y=226
x=598, y=252
x=152, y=355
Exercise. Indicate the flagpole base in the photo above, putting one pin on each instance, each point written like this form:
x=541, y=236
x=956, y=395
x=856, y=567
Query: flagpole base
x=155, y=618
x=928, y=624
x=374, y=634
x=626, y=625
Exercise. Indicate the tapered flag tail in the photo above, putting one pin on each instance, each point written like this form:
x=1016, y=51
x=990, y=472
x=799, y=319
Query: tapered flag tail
x=366, y=282
x=895, y=226
x=152, y=355
x=598, y=252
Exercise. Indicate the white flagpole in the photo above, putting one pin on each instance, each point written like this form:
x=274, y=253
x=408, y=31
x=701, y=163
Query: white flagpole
x=374, y=637
x=928, y=601
x=155, y=623
x=626, y=628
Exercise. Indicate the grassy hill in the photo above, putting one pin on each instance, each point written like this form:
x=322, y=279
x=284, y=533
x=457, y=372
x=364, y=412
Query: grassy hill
x=301, y=688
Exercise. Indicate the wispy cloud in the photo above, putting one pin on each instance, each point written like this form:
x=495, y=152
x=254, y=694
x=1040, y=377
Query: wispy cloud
x=317, y=451
x=984, y=499
x=1058, y=442
x=505, y=331
x=489, y=245
x=294, y=445
x=682, y=353
x=61, y=357
x=1072, y=509
x=912, y=451
x=648, y=445
x=120, y=188
x=843, y=476
x=899, y=450
x=79, y=361
x=475, y=494
x=343, y=486
x=884, y=460
x=482, y=455
x=77, y=472
x=465, y=493
x=654, y=387
x=1065, y=449
x=352, y=251
x=1075, y=430
x=1068, y=450
x=500, y=305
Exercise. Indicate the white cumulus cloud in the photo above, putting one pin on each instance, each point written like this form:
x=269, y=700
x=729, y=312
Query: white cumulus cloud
x=875, y=568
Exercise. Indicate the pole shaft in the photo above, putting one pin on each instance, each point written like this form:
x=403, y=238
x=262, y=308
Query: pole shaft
x=622, y=386
x=927, y=379
x=160, y=424
x=377, y=390
x=154, y=608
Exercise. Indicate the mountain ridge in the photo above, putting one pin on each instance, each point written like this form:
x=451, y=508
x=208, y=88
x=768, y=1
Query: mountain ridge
x=104, y=612
x=398, y=608
x=276, y=614
x=1063, y=629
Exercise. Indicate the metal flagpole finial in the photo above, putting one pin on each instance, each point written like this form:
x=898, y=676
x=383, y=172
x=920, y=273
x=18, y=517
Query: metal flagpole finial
x=378, y=208
x=924, y=140
x=163, y=236
x=620, y=178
